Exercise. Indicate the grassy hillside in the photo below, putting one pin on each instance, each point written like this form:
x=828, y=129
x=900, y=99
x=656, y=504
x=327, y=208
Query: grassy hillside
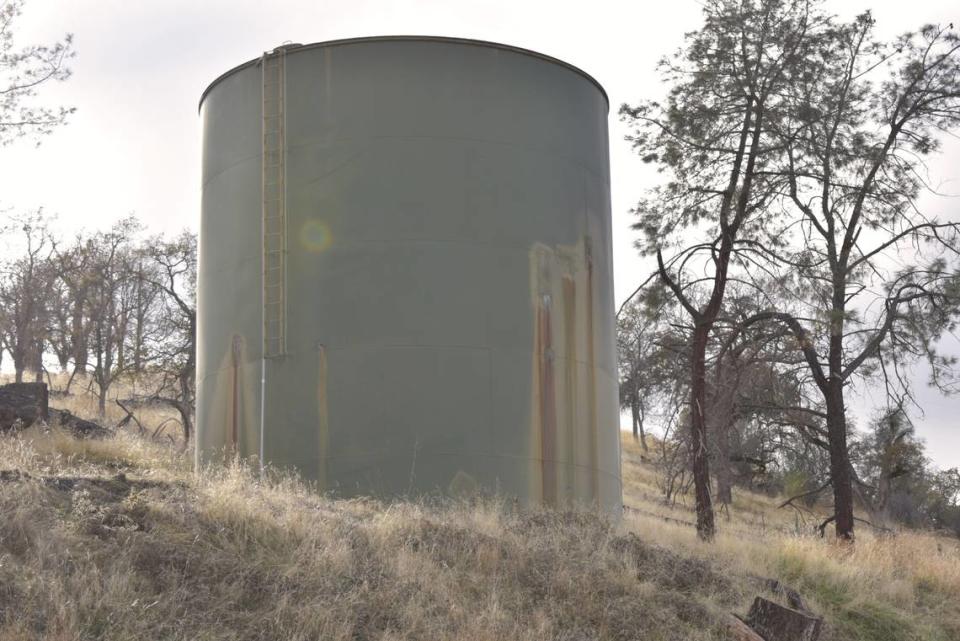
x=117, y=539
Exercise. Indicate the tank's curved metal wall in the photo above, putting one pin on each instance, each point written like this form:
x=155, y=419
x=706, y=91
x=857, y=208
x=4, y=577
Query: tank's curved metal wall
x=449, y=276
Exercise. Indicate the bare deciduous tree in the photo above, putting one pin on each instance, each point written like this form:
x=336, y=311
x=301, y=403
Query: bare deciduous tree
x=111, y=265
x=25, y=290
x=23, y=70
x=173, y=274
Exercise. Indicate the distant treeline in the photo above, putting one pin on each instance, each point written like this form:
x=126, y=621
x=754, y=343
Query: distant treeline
x=107, y=304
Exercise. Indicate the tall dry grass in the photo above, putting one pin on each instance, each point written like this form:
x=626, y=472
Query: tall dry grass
x=119, y=539
x=904, y=584
x=161, y=553
x=82, y=401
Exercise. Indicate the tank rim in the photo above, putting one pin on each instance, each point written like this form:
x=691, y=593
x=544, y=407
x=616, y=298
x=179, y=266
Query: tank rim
x=443, y=39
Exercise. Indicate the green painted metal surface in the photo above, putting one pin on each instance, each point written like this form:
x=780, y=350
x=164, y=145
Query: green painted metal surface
x=447, y=275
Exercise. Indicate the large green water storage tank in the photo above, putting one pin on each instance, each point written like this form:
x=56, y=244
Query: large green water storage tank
x=405, y=271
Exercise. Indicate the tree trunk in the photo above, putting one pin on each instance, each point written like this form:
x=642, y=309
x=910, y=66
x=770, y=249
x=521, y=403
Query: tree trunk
x=723, y=472
x=63, y=359
x=38, y=363
x=139, y=315
x=19, y=362
x=186, y=401
x=839, y=461
x=706, y=527
x=724, y=489
x=79, y=338
x=186, y=421
x=120, y=334
x=840, y=470
x=639, y=434
x=641, y=417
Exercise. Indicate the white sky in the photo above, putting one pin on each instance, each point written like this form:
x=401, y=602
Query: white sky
x=134, y=143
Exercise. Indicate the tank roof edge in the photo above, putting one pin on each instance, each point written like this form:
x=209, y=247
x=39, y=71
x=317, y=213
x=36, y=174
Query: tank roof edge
x=445, y=39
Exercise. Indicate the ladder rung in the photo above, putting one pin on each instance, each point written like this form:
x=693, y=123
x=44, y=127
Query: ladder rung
x=273, y=199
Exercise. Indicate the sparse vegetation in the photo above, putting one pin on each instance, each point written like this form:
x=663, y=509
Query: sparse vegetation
x=794, y=263
x=118, y=539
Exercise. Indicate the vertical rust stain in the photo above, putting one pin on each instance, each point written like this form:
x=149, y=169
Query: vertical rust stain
x=570, y=384
x=323, y=424
x=592, y=378
x=235, y=397
x=548, y=405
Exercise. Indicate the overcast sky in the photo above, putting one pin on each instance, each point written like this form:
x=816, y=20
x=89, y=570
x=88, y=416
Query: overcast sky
x=134, y=143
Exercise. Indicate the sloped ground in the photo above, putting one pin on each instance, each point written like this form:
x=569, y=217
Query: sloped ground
x=117, y=539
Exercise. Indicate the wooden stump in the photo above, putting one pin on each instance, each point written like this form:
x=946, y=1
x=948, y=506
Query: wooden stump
x=740, y=631
x=775, y=622
x=28, y=402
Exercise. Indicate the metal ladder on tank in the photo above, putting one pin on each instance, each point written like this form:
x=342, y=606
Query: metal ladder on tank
x=274, y=205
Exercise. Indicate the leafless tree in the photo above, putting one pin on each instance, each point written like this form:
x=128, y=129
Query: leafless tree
x=23, y=71
x=74, y=262
x=172, y=273
x=25, y=288
x=650, y=348
x=111, y=265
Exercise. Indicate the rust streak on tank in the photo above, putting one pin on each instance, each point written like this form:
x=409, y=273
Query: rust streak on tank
x=235, y=397
x=592, y=382
x=548, y=404
x=322, y=415
x=570, y=385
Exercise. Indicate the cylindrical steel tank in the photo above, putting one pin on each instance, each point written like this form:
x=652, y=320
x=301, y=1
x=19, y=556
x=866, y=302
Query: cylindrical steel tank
x=405, y=271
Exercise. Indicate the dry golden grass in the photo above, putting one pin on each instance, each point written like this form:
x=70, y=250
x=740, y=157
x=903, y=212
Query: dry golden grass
x=161, y=553
x=904, y=585
x=119, y=539
x=82, y=401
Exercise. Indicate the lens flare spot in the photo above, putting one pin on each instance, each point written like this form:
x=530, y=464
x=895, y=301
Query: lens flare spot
x=315, y=236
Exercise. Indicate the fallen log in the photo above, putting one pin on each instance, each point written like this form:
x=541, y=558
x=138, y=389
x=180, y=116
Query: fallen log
x=81, y=428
